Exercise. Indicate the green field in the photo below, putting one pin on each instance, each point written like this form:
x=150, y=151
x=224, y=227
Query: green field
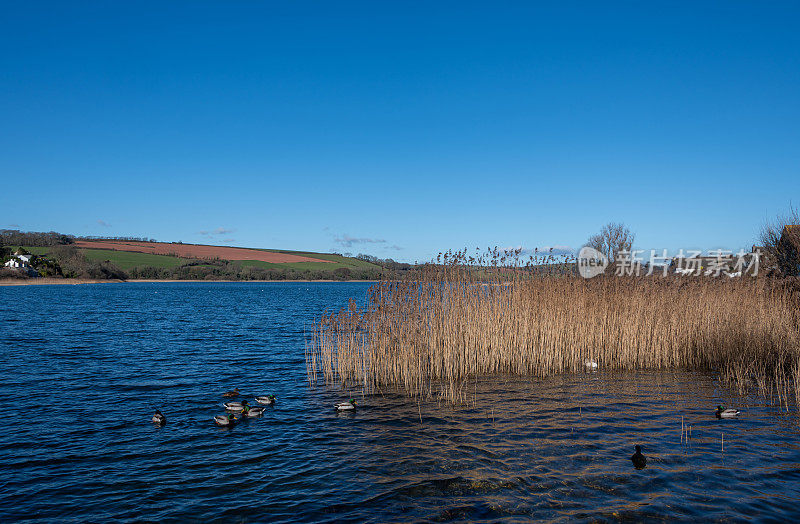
x=129, y=260
x=33, y=250
x=122, y=259
x=339, y=259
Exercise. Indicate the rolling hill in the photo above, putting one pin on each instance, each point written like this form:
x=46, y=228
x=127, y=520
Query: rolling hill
x=163, y=260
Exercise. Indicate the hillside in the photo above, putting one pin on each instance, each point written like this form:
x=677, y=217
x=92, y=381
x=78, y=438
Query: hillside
x=137, y=259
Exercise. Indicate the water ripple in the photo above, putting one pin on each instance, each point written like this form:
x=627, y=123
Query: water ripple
x=83, y=370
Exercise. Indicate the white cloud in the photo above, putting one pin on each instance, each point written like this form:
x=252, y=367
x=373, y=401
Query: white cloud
x=348, y=241
x=218, y=231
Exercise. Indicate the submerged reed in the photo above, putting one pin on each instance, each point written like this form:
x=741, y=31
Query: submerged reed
x=458, y=320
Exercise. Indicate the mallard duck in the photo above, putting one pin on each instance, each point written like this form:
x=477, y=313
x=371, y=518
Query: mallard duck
x=253, y=412
x=234, y=405
x=590, y=364
x=231, y=394
x=726, y=413
x=224, y=420
x=639, y=460
x=159, y=418
x=267, y=400
x=350, y=405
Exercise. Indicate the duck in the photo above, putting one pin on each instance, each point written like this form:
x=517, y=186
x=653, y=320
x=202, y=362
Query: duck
x=267, y=400
x=726, y=413
x=245, y=408
x=350, y=405
x=225, y=420
x=233, y=393
x=253, y=412
x=234, y=405
x=639, y=460
x=590, y=364
x=159, y=418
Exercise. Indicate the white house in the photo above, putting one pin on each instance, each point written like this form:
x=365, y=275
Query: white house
x=19, y=261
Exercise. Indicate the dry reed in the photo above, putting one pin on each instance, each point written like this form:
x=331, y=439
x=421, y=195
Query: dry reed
x=473, y=316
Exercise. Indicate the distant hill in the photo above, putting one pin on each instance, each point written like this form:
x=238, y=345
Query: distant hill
x=147, y=259
x=130, y=255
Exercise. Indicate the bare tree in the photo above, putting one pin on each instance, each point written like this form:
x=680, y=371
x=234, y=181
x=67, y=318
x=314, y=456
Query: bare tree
x=612, y=239
x=780, y=242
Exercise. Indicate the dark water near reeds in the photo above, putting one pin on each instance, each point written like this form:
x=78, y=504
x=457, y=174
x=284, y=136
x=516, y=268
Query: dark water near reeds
x=84, y=366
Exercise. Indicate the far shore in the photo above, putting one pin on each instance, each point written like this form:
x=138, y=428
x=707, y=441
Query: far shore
x=76, y=281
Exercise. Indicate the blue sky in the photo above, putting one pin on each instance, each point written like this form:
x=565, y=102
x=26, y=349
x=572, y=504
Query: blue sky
x=400, y=129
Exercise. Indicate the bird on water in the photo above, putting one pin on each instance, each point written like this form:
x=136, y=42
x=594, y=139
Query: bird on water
x=159, y=418
x=225, y=420
x=233, y=393
x=639, y=460
x=350, y=405
x=726, y=413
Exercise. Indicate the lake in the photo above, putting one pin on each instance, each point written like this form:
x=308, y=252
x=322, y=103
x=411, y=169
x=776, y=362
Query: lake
x=84, y=367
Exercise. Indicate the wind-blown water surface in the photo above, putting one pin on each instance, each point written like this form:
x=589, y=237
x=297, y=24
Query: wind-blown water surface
x=83, y=368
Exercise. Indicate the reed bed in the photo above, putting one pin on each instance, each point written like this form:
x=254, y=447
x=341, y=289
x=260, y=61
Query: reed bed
x=464, y=319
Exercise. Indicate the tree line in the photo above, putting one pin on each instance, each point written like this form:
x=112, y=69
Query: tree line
x=62, y=261
x=15, y=237
x=231, y=270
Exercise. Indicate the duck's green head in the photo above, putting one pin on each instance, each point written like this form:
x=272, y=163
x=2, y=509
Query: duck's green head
x=719, y=408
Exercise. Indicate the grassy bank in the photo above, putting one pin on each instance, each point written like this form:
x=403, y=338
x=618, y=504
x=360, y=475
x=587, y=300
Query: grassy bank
x=431, y=336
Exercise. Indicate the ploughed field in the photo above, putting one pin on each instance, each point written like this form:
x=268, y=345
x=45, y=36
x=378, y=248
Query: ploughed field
x=198, y=251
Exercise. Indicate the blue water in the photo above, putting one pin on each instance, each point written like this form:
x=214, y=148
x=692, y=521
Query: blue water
x=83, y=368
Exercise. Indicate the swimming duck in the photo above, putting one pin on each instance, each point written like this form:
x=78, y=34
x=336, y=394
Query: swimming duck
x=233, y=405
x=726, y=413
x=267, y=400
x=350, y=405
x=639, y=460
x=225, y=420
x=253, y=412
x=231, y=394
x=159, y=418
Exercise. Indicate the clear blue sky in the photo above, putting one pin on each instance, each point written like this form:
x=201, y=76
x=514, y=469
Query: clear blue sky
x=400, y=129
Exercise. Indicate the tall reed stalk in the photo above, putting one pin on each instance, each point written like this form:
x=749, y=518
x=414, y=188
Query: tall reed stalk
x=466, y=318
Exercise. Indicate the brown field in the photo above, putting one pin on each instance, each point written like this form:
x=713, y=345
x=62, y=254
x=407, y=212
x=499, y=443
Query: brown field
x=196, y=251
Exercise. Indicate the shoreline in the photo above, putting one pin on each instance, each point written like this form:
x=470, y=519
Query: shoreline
x=79, y=281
